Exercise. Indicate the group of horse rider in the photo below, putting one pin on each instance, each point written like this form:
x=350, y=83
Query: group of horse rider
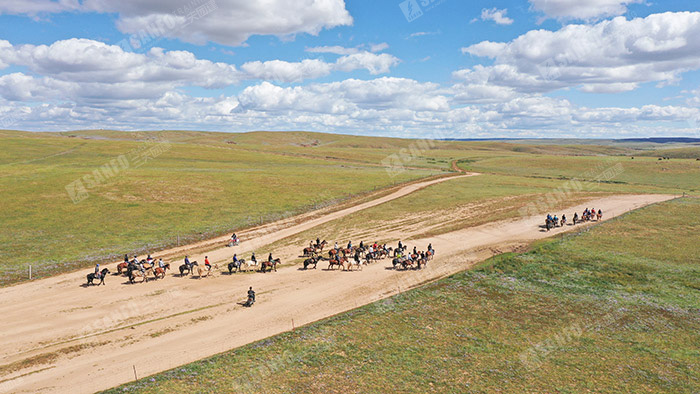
x=372, y=250
x=588, y=214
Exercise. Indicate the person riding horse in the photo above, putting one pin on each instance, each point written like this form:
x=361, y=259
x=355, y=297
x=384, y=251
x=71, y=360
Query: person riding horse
x=97, y=271
x=187, y=263
x=251, y=297
x=253, y=259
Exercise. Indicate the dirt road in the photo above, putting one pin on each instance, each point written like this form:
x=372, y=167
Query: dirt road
x=59, y=337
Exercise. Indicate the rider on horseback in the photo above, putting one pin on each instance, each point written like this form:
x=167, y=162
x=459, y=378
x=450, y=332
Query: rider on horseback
x=97, y=271
x=160, y=263
x=349, y=244
x=253, y=259
x=187, y=263
x=206, y=263
x=269, y=258
x=251, y=296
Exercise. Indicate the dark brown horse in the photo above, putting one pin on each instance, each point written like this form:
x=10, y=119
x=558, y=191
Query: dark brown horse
x=267, y=266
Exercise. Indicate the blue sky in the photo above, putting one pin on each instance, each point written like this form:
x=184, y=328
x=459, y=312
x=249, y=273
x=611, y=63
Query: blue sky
x=517, y=68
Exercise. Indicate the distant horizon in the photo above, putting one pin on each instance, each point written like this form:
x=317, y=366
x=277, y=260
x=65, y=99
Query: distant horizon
x=437, y=69
x=655, y=139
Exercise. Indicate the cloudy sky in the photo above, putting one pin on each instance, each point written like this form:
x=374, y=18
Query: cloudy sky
x=414, y=68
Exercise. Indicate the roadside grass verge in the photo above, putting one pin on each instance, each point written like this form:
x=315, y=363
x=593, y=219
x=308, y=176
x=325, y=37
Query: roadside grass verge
x=607, y=310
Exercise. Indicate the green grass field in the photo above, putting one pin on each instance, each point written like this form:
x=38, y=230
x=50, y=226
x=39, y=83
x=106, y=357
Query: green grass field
x=676, y=174
x=191, y=191
x=613, y=309
x=206, y=184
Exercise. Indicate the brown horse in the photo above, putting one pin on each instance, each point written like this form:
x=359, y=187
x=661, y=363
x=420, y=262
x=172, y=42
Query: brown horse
x=339, y=261
x=267, y=266
x=122, y=267
x=160, y=272
x=319, y=247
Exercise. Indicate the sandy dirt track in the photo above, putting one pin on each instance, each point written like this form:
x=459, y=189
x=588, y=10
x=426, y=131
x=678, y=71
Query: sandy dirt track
x=84, y=340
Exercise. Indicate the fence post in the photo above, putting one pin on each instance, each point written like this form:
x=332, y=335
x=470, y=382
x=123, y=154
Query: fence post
x=30, y=272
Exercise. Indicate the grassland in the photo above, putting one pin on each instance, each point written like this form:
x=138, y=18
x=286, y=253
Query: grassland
x=205, y=184
x=677, y=174
x=615, y=309
x=191, y=191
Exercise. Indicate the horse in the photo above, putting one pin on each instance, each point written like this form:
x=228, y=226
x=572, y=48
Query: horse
x=336, y=261
x=237, y=265
x=429, y=255
x=231, y=242
x=383, y=253
x=550, y=224
x=189, y=270
x=137, y=273
x=272, y=265
x=91, y=277
x=320, y=246
x=121, y=267
x=160, y=272
x=407, y=263
x=205, y=269
x=353, y=263
x=312, y=261
x=419, y=260
x=310, y=251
